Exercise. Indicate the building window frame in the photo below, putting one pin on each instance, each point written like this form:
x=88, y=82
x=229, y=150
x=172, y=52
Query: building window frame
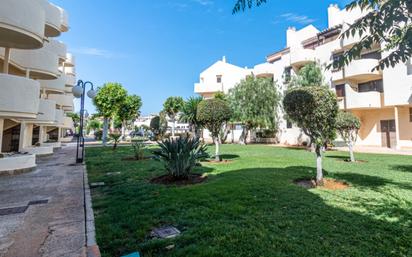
x=218, y=78
x=410, y=114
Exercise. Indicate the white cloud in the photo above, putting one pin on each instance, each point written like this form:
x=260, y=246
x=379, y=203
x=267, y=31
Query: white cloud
x=92, y=51
x=293, y=17
x=204, y=2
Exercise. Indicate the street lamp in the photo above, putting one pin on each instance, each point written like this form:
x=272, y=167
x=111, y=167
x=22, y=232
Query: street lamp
x=79, y=91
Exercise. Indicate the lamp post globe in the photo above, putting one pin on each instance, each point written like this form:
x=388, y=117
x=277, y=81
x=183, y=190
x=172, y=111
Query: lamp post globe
x=77, y=91
x=91, y=93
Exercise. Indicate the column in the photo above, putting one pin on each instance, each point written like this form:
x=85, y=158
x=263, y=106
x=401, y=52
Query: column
x=397, y=124
x=26, y=135
x=59, y=132
x=1, y=132
x=41, y=134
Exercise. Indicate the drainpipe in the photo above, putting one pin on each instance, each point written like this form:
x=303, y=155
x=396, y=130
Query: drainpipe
x=6, y=60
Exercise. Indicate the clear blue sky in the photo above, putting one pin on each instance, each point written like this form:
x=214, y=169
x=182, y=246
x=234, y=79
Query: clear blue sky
x=157, y=48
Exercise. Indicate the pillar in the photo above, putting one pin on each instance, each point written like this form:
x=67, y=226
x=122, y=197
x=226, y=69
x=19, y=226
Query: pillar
x=42, y=134
x=59, y=132
x=397, y=124
x=26, y=136
x=1, y=132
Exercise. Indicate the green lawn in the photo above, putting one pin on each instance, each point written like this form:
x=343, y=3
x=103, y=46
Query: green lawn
x=250, y=207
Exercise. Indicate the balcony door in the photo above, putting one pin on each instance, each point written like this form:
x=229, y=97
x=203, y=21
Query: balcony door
x=388, y=129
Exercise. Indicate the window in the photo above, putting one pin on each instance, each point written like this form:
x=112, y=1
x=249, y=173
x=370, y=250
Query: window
x=287, y=75
x=372, y=55
x=376, y=85
x=340, y=90
x=410, y=114
x=219, y=78
x=288, y=124
x=388, y=126
x=409, y=67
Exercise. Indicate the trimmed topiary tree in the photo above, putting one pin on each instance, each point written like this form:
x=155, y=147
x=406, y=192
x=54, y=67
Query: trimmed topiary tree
x=348, y=126
x=213, y=113
x=314, y=110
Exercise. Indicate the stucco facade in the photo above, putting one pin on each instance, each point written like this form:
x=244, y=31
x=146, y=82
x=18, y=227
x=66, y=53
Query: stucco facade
x=36, y=74
x=382, y=99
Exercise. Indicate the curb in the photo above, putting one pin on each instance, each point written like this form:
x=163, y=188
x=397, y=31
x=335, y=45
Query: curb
x=91, y=245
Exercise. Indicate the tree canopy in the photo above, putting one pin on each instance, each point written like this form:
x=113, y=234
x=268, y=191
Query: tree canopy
x=309, y=75
x=213, y=113
x=129, y=109
x=255, y=103
x=389, y=23
x=108, y=99
x=173, y=105
x=314, y=110
x=348, y=126
x=189, y=112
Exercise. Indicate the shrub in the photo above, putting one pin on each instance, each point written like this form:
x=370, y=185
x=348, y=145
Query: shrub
x=181, y=155
x=139, y=147
x=348, y=126
x=115, y=137
x=98, y=135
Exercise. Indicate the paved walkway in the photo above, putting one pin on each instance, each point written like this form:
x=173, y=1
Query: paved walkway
x=55, y=228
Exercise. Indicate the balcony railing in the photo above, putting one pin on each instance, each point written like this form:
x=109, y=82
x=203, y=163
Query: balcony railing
x=208, y=88
x=358, y=70
x=364, y=100
x=301, y=56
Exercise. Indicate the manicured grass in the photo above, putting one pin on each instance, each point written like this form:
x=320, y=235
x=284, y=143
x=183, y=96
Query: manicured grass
x=250, y=207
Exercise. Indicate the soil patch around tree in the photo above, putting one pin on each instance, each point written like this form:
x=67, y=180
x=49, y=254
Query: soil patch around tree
x=218, y=162
x=132, y=158
x=192, y=179
x=330, y=184
x=356, y=161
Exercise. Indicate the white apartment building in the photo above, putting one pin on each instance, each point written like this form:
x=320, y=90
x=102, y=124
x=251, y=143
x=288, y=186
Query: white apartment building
x=36, y=78
x=381, y=99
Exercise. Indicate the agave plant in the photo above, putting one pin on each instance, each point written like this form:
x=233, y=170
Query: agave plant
x=181, y=155
x=138, y=148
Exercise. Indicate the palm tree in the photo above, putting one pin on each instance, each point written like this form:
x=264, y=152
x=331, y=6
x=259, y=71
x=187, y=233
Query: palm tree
x=189, y=112
x=172, y=106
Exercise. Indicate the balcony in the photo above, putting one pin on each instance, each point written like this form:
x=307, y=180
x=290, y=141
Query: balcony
x=64, y=20
x=264, y=70
x=58, y=48
x=62, y=100
x=53, y=20
x=70, y=80
x=56, y=85
x=70, y=70
x=364, y=100
x=41, y=63
x=59, y=117
x=348, y=42
x=47, y=112
x=21, y=24
x=19, y=97
x=361, y=70
x=201, y=88
x=70, y=60
x=300, y=56
x=67, y=123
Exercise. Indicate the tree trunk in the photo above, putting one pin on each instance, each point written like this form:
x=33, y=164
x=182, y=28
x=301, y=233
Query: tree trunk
x=217, y=150
x=105, y=127
x=243, y=136
x=352, y=156
x=123, y=130
x=233, y=133
x=173, y=127
x=319, y=172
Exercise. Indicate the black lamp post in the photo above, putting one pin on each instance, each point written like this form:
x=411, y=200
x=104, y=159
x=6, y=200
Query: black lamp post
x=79, y=91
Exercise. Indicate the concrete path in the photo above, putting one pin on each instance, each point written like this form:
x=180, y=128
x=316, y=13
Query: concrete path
x=55, y=228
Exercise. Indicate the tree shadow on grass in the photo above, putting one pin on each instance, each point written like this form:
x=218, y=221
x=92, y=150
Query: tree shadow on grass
x=257, y=212
x=229, y=156
x=372, y=182
x=403, y=168
x=338, y=157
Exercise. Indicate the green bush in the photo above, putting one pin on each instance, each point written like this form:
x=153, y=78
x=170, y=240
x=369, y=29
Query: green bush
x=98, y=135
x=115, y=138
x=181, y=155
x=139, y=147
